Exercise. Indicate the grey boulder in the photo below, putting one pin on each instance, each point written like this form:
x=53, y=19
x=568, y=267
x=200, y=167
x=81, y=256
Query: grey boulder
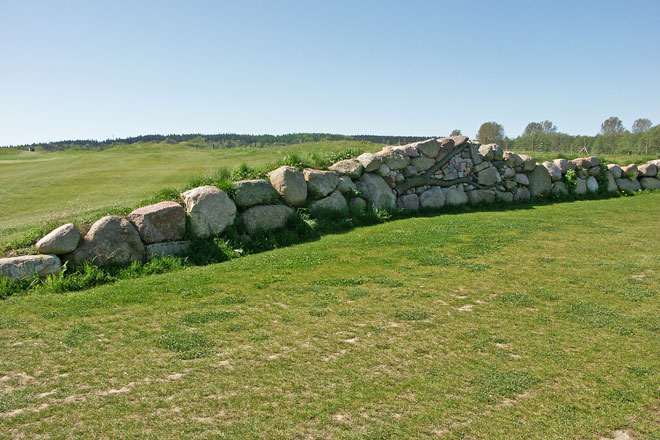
x=264, y=218
x=649, y=183
x=18, y=268
x=169, y=249
x=164, y=221
x=210, y=210
x=320, y=183
x=615, y=170
x=369, y=161
x=628, y=185
x=255, y=192
x=648, y=170
x=59, y=241
x=110, y=240
x=290, y=183
x=553, y=170
x=349, y=167
x=375, y=190
x=346, y=185
x=335, y=203
x=433, y=198
x=539, y=181
x=592, y=184
x=408, y=202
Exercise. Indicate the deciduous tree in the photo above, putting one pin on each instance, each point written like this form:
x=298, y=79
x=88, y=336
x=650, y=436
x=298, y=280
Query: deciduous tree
x=491, y=132
x=641, y=125
x=612, y=126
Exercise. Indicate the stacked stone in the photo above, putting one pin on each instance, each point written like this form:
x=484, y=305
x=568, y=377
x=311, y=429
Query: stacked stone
x=428, y=174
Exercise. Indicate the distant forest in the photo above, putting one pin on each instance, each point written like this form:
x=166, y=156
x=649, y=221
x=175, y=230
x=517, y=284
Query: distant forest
x=217, y=141
x=538, y=136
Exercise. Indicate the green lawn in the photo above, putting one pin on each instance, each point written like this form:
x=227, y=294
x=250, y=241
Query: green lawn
x=530, y=323
x=37, y=188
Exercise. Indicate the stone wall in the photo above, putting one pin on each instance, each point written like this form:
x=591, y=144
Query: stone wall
x=429, y=174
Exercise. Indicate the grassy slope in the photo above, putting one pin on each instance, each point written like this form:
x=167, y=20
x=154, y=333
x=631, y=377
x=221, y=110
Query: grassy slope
x=36, y=188
x=528, y=323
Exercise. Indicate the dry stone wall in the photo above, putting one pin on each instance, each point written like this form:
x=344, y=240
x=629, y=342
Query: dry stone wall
x=429, y=174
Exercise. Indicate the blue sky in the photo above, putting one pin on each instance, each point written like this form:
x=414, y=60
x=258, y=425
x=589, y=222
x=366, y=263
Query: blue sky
x=94, y=69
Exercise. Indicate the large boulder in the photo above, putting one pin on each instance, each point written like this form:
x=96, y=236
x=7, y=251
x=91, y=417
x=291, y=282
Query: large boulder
x=559, y=188
x=291, y=184
x=521, y=194
x=592, y=184
x=433, y=198
x=320, y=183
x=521, y=179
x=648, y=170
x=408, y=202
x=491, y=152
x=18, y=268
x=539, y=181
x=455, y=197
x=628, y=185
x=335, y=203
x=564, y=165
x=422, y=164
x=169, y=249
x=59, y=241
x=512, y=159
x=346, y=185
x=649, y=183
x=504, y=196
x=615, y=170
x=408, y=150
x=488, y=177
x=164, y=221
x=393, y=159
x=611, y=183
x=377, y=191
x=255, y=192
x=553, y=170
x=479, y=196
x=529, y=163
x=581, y=187
x=582, y=162
x=110, y=240
x=210, y=210
x=429, y=148
x=594, y=171
x=266, y=218
x=349, y=167
x=369, y=161
x=630, y=171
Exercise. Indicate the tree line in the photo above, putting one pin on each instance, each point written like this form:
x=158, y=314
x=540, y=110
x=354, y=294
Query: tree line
x=613, y=137
x=217, y=141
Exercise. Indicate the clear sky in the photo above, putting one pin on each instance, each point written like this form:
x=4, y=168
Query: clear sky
x=73, y=69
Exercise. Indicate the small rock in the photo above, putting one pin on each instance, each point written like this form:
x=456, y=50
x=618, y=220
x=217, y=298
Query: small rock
x=582, y=162
x=512, y=160
x=529, y=163
x=429, y=148
x=383, y=170
x=564, y=165
x=594, y=171
x=393, y=159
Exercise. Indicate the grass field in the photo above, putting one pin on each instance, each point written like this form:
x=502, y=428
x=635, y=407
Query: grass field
x=530, y=323
x=37, y=188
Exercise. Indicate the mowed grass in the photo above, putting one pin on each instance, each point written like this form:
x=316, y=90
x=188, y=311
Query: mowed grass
x=530, y=323
x=37, y=187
